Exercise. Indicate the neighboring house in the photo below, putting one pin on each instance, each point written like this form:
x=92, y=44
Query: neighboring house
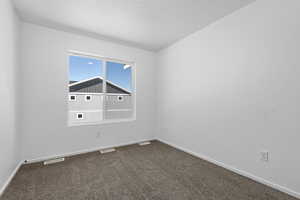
x=95, y=85
x=86, y=101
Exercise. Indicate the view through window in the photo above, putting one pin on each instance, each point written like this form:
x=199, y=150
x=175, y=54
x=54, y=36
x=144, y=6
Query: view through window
x=100, y=90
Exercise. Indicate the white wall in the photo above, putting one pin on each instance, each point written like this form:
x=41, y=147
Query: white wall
x=45, y=94
x=233, y=89
x=9, y=140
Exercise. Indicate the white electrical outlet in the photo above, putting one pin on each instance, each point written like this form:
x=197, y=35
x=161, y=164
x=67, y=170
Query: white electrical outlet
x=264, y=156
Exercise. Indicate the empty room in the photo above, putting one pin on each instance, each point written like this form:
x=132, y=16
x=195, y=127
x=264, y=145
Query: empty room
x=150, y=100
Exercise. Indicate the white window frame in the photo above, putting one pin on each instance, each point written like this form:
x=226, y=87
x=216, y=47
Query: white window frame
x=106, y=59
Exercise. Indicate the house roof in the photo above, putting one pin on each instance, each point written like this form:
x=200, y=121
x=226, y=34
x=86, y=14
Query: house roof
x=95, y=85
x=71, y=82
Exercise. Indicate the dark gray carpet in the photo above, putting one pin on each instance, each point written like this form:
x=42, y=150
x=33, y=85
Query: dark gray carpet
x=153, y=172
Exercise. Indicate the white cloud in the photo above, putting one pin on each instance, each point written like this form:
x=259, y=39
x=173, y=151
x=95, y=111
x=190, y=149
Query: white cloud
x=126, y=66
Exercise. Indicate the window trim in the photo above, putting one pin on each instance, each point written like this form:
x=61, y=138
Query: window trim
x=105, y=59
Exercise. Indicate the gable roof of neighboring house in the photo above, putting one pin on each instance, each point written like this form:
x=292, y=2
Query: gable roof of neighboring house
x=71, y=82
x=95, y=85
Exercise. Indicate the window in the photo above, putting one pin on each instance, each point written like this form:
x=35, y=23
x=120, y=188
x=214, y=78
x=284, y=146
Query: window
x=72, y=97
x=101, y=90
x=88, y=97
x=120, y=98
x=79, y=115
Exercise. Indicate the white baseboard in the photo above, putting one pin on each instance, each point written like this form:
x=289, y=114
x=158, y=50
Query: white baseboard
x=6, y=183
x=238, y=171
x=228, y=167
x=41, y=159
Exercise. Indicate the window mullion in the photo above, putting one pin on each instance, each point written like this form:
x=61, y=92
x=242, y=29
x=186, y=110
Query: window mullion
x=104, y=88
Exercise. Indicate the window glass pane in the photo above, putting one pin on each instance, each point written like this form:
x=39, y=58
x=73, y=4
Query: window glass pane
x=85, y=75
x=89, y=101
x=85, y=80
x=119, y=78
x=119, y=100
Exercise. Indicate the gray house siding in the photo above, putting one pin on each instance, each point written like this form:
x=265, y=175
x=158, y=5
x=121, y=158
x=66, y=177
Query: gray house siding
x=118, y=114
x=112, y=102
x=118, y=102
x=114, y=89
x=96, y=86
x=95, y=103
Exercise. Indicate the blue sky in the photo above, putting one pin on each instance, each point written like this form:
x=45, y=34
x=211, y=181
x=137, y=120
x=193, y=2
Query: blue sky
x=82, y=68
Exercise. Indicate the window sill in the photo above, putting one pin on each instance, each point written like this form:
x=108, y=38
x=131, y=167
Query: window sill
x=102, y=122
